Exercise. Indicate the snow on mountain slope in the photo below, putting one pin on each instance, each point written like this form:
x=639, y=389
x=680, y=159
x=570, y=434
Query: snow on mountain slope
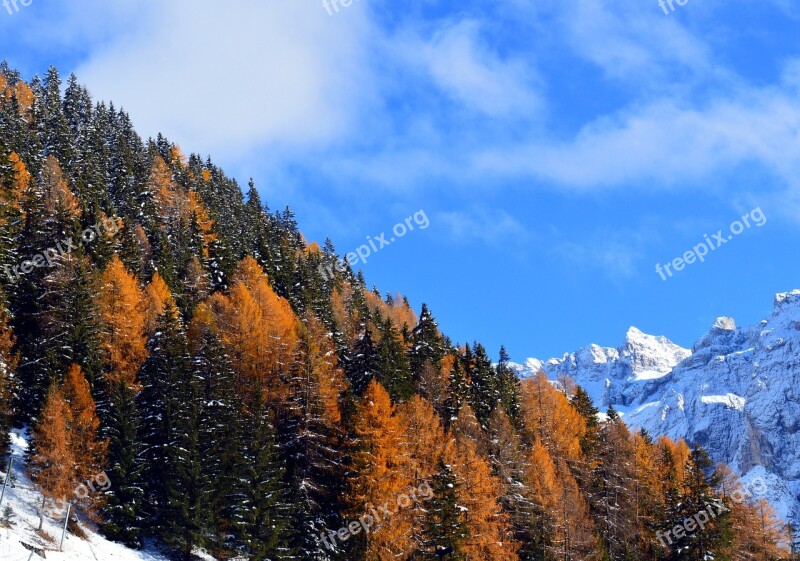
x=24, y=501
x=737, y=392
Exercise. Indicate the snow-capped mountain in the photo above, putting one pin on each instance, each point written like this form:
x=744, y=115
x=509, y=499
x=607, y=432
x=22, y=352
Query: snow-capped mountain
x=737, y=392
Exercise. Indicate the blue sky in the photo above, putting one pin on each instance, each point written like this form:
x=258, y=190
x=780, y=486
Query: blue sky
x=560, y=148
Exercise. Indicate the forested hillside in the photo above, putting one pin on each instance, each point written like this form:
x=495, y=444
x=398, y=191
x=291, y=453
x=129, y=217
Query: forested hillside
x=161, y=327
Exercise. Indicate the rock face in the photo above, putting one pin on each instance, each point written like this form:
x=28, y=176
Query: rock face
x=737, y=392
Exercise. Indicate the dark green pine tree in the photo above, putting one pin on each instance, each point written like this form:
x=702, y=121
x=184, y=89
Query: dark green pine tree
x=14, y=124
x=427, y=346
x=362, y=363
x=445, y=530
x=54, y=129
x=265, y=530
x=509, y=388
x=700, y=481
x=485, y=392
x=393, y=370
x=122, y=512
x=221, y=452
x=458, y=391
x=162, y=403
x=186, y=516
x=585, y=407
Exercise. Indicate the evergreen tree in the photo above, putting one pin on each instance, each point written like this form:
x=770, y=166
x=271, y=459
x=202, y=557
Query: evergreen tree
x=123, y=511
x=220, y=436
x=508, y=388
x=163, y=404
x=362, y=367
x=445, y=530
x=393, y=371
x=427, y=346
x=485, y=394
x=265, y=530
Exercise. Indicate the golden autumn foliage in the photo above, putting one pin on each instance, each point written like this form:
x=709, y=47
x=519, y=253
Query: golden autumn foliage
x=12, y=199
x=566, y=531
x=479, y=494
x=381, y=464
x=759, y=533
x=550, y=418
x=399, y=312
x=123, y=318
x=84, y=424
x=55, y=191
x=179, y=208
x=21, y=91
x=258, y=329
x=53, y=460
x=8, y=365
x=670, y=464
x=319, y=382
x=176, y=156
x=157, y=298
x=67, y=449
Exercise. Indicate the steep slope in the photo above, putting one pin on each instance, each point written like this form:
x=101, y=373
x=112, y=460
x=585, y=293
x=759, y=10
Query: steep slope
x=23, y=499
x=737, y=392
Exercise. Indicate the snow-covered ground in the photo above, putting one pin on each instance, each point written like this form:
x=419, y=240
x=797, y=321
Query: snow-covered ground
x=24, y=500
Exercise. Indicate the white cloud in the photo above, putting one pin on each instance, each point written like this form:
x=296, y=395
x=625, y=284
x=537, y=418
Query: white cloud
x=226, y=77
x=489, y=226
x=632, y=39
x=668, y=142
x=471, y=73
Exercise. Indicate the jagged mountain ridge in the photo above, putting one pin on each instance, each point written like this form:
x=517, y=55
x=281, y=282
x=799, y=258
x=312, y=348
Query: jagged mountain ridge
x=736, y=392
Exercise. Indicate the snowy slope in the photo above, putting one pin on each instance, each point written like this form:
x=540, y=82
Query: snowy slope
x=25, y=500
x=737, y=392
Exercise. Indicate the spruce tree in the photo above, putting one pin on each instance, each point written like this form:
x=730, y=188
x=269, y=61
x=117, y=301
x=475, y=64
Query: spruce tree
x=163, y=406
x=362, y=365
x=508, y=388
x=265, y=530
x=220, y=433
x=426, y=343
x=393, y=371
x=445, y=530
x=123, y=510
x=485, y=394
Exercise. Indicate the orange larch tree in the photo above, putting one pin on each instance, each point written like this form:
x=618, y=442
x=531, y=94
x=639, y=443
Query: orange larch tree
x=53, y=461
x=258, y=329
x=121, y=303
x=157, y=298
x=380, y=465
x=84, y=424
x=479, y=493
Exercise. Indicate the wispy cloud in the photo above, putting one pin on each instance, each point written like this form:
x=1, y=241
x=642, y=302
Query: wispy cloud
x=492, y=227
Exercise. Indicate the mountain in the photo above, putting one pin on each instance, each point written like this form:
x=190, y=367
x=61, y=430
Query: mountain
x=736, y=392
